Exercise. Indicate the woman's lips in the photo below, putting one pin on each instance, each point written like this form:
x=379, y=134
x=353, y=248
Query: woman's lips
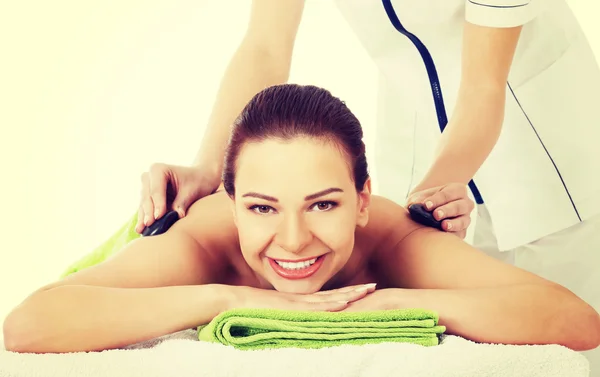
x=297, y=273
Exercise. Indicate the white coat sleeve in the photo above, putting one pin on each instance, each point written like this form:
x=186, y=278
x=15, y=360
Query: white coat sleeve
x=501, y=13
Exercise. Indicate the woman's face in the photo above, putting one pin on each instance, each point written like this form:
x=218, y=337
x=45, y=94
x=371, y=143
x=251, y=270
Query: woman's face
x=296, y=210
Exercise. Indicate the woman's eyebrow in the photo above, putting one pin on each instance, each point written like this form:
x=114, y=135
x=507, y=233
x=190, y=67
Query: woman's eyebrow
x=322, y=193
x=306, y=198
x=260, y=196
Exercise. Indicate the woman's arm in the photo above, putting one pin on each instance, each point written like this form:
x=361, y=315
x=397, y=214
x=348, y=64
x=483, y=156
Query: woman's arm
x=154, y=286
x=477, y=296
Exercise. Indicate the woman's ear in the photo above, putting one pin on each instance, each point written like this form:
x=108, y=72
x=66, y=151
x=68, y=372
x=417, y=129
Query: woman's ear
x=364, y=200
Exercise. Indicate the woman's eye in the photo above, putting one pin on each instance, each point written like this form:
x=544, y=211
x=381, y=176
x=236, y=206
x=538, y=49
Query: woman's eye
x=323, y=206
x=263, y=210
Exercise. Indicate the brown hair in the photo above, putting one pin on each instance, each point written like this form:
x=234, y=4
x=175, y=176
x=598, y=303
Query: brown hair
x=288, y=111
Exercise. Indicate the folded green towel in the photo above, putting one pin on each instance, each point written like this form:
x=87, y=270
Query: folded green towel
x=250, y=329
x=114, y=244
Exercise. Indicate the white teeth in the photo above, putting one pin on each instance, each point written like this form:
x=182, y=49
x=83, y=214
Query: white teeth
x=296, y=265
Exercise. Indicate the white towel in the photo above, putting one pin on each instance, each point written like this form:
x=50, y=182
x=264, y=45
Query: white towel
x=182, y=355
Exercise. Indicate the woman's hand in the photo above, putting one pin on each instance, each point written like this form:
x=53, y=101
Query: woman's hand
x=330, y=301
x=383, y=299
x=173, y=187
x=450, y=203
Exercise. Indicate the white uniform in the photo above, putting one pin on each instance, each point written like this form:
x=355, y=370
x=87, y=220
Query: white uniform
x=541, y=183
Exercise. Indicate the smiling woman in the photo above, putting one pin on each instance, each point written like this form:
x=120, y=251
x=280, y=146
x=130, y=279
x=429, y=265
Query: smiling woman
x=298, y=229
x=304, y=212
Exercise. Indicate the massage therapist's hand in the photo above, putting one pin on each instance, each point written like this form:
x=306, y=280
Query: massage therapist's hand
x=450, y=203
x=330, y=301
x=171, y=187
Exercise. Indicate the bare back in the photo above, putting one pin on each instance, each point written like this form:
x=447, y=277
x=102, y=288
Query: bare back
x=203, y=248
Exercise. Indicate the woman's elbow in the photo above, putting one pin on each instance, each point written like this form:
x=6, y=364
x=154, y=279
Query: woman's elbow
x=24, y=330
x=580, y=327
x=589, y=336
x=18, y=332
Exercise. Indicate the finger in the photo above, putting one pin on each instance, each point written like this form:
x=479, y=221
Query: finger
x=139, y=226
x=158, y=190
x=145, y=205
x=371, y=287
x=414, y=199
x=354, y=294
x=354, y=308
x=181, y=208
x=186, y=196
x=180, y=204
x=461, y=207
x=420, y=196
x=148, y=208
x=325, y=306
x=344, y=289
x=446, y=195
x=458, y=224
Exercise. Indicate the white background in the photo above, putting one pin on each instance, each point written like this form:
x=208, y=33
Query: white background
x=92, y=93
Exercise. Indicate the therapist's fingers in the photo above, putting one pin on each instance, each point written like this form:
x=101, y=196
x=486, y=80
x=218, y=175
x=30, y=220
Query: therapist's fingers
x=457, y=226
x=418, y=197
x=461, y=234
x=461, y=207
x=158, y=177
x=146, y=210
x=139, y=226
x=445, y=195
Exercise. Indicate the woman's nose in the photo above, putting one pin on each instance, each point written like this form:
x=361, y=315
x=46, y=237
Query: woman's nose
x=293, y=234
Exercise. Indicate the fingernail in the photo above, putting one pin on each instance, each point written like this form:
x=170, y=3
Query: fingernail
x=362, y=289
x=428, y=204
x=371, y=285
x=146, y=219
x=449, y=226
x=156, y=214
x=440, y=214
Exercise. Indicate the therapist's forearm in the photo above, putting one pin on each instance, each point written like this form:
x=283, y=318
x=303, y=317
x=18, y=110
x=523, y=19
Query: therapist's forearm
x=251, y=69
x=469, y=137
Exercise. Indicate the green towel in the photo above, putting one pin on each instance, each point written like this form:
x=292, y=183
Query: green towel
x=114, y=244
x=250, y=329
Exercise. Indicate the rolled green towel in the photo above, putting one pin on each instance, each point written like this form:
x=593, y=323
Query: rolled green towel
x=250, y=329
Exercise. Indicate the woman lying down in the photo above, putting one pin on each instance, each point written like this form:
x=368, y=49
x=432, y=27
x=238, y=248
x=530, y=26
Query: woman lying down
x=296, y=228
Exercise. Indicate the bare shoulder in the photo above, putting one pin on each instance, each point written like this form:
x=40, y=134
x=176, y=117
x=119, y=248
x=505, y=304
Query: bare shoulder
x=210, y=223
x=410, y=255
x=187, y=254
x=388, y=224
